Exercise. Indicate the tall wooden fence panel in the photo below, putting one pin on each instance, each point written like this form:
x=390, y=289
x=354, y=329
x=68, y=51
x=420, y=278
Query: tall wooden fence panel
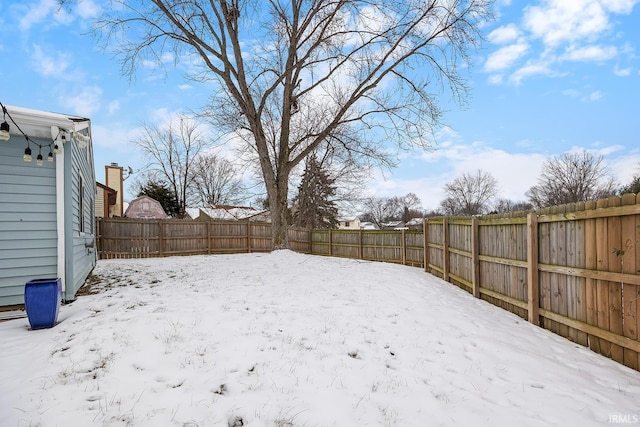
x=127, y=238
x=585, y=264
x=397, y=246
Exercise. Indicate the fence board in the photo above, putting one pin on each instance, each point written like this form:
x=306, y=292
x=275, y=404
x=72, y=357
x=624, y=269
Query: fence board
x=630, y=233
x=615, y=288
x=590, y=256
x=602, y=258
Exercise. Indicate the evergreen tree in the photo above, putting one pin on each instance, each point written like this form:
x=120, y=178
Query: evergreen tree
x=161, y=193
x=633, y=186
x=313, y=205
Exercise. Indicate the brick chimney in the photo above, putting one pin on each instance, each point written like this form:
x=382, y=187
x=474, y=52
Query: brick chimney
x=114, y=179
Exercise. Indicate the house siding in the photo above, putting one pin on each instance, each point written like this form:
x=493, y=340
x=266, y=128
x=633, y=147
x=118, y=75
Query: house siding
x=80, y=246
x=28, y=238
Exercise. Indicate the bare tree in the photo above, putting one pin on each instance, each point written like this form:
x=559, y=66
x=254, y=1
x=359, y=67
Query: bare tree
x=570, y=178
x=378, y=210
x=292, y=75
x=384, y=209
x=508, y=205
x=469, y=194
x=216, y=181
x=172, y=150
x=633, y=186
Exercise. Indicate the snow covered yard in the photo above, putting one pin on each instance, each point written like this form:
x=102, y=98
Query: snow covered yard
x=286, y=339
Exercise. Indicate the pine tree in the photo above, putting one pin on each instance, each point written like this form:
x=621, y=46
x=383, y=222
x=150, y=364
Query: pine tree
x=161, y=193
x=313, y=205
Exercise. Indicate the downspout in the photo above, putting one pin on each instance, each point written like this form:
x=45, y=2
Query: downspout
x=60, y=225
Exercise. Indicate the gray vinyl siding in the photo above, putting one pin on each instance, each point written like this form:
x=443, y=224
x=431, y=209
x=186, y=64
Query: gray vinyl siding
x=80, y=258
x=28, y=237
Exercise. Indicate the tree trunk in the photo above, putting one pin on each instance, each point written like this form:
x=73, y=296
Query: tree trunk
x=279, y=213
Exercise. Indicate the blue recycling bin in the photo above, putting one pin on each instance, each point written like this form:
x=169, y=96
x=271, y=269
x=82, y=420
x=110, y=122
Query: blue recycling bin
x=42, y=299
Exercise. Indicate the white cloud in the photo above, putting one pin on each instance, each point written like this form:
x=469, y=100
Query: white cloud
x=571, y=93
x=593, y=96
x=52, y=64
x=496, y=79
x=84, y=103
x=87, y=9
x=114, y=106
x=559, y=21
x=590, y=53
x=622, y=72
x=36, y=13
x=504, y=57
x=620, y=6
x=531, y=70
x=504, y=34
x=600, y=150
x=45, y=11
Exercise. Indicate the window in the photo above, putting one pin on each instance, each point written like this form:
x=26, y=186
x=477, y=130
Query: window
x=81, y=203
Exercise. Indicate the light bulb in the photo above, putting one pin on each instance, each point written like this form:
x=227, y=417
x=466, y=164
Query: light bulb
x=4, y=131
x=50, y=156
x=27, y=155
x=39, y=161
x=56, y=150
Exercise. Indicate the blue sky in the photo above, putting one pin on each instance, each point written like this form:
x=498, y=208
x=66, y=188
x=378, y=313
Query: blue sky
x=553, y=76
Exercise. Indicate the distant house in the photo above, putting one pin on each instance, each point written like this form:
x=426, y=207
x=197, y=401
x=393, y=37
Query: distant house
x=145, y=207
x=105, y=201
x=393, y=225
x=366, y=225
x=47, y=191
x=415, y=223
x=109, y=196
x=229, y=213
x=349, y=223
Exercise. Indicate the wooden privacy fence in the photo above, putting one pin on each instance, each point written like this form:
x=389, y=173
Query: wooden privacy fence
x=398, y=246
x=130, y=238
x=572, y=269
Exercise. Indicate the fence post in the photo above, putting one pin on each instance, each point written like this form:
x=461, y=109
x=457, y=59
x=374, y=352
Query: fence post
x=330, y=244
x=404, y=247
x=425, y=237
x=360, y=250
x=475, y=256
x=533, y=284
x=445, y=248
x=209, y=236
x=249, y=236
x=160, y=238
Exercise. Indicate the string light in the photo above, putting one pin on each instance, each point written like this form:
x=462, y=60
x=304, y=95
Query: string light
x=4, y=127
x=39, y=161
x=27, y=153
x=53, y=145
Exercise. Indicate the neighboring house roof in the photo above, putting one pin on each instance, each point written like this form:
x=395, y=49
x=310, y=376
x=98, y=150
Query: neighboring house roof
x=228, y=212
x=145, y=207
x=414, y=222
x=368, y=226
x=348, y=219
x=110, y=191
x=193, y=213
x=393, y=225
